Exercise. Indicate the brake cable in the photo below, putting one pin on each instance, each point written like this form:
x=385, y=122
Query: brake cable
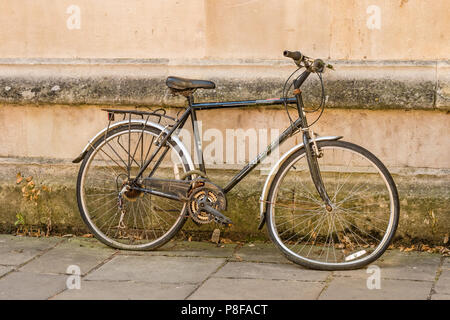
x=284, y=96
x=322, y=102
x=321, y=105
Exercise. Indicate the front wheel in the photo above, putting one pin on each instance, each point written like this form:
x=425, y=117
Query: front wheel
x=364, y=215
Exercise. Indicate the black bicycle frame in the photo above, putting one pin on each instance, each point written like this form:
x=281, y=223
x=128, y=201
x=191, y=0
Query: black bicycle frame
x=192, y=112
x=298, y=124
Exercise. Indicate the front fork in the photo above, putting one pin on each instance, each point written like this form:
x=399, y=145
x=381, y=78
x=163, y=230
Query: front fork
x=312, y=154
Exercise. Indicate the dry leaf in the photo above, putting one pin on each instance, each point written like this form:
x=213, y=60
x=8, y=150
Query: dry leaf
x=87, y=235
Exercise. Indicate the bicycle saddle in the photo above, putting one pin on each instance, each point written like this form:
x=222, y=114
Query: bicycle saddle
x=188, y=84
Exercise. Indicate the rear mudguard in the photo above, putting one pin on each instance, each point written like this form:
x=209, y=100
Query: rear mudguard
x=101, y=134
x=265, y=193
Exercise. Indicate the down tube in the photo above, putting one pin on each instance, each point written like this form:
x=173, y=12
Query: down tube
x=260, y=157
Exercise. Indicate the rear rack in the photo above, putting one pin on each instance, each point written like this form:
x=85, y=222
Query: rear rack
x=159, y=116
x=127, y=115
x=158, y=113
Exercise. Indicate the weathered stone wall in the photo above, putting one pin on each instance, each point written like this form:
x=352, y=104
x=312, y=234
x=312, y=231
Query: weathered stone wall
x=40, y=141
x=62, y=61
x=354, y=84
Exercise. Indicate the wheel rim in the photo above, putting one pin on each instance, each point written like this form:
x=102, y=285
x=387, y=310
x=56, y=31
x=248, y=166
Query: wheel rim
x=147, y=219
x=362, y=219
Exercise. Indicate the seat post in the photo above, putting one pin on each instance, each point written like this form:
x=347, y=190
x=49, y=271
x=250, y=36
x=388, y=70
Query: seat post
x=190, y=99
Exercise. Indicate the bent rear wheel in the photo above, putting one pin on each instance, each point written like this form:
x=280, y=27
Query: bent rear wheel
x=364, y=215
x=146, y=221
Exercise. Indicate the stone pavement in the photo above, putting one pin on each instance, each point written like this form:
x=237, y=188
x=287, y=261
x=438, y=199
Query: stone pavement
x=37, y=268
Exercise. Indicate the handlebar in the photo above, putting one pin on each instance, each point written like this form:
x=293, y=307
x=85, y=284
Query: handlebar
x=311, y=65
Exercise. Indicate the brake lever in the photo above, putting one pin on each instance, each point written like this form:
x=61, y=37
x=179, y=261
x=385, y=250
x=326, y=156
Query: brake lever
x=318, y=66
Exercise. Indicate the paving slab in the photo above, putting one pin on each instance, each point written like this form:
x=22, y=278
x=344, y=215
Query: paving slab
x=26, y=286
x=5, y=269
x=401, y=266
x=34, y=268
x=157, y=269
x=269, y=271
x=261, y=289
x=443, y=284
x=356, y=289
x=15, y=250
x=260, y=252
x=191, y=249
x=84, y=253
x=126, y=290
x=446, y=263
x=440, y=296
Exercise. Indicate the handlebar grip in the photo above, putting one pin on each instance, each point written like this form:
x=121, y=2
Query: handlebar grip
x=296, y=55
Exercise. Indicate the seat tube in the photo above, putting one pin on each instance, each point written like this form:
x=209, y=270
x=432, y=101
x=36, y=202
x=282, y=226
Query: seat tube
x=197, y=138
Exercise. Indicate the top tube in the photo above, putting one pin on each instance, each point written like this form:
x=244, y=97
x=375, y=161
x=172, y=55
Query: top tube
x=240, y=104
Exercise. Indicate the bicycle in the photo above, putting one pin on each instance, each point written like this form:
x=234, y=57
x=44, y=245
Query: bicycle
x=320, y=210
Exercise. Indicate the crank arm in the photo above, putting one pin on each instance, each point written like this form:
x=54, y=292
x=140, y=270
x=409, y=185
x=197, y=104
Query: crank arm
x=219, y=216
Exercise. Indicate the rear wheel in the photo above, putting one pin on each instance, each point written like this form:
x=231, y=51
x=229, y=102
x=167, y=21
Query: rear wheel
x=364, y=215
x=146, y=221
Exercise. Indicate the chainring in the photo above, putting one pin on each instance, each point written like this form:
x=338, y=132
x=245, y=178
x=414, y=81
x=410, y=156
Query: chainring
x=202, y=189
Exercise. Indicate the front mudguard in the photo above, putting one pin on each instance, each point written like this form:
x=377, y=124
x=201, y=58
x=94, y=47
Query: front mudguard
x=265, y=193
